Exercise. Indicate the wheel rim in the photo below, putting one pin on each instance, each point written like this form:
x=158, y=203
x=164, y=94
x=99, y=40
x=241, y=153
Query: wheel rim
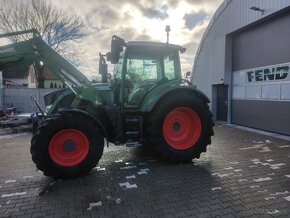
x=68, y=147
x=182, y=128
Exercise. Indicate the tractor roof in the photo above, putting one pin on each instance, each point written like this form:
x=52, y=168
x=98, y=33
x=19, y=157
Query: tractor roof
x=155, y=45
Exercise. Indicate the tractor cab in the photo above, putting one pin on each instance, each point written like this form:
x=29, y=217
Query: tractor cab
x=140, y=67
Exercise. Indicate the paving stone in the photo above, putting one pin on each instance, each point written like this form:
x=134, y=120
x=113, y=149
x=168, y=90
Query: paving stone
x=166, y=190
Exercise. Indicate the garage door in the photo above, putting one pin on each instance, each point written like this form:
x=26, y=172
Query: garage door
x=261, y=76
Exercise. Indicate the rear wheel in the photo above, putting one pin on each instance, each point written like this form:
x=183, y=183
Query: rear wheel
x=180, y=127
x=67, y=145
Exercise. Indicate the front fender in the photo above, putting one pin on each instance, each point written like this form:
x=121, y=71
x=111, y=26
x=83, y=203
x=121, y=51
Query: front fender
x=98, y=118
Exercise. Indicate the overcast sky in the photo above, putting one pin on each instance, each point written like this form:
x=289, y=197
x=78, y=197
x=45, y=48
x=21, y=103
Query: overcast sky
x=140, y=20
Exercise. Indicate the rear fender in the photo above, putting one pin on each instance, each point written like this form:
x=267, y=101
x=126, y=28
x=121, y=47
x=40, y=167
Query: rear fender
x=155, y=97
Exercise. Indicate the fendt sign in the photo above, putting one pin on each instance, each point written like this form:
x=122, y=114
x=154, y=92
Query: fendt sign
x=268, y=74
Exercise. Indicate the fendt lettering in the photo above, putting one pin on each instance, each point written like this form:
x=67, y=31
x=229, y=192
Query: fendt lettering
x=268, y=74
x=6, y=50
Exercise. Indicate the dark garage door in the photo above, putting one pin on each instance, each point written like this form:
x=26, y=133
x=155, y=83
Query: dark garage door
x=261, y=102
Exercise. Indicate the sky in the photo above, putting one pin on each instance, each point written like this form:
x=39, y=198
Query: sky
x=139, y=20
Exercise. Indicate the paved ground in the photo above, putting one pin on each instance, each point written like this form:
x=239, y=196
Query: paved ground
x=242, y=174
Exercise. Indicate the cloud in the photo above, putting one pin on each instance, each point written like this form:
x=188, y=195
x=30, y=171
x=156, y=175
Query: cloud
x=140, y=20
x=191, y=20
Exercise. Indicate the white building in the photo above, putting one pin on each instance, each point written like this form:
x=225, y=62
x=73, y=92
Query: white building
x=243, y=62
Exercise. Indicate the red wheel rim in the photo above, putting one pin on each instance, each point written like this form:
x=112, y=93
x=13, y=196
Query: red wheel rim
x=182, y=128
x=68, y=147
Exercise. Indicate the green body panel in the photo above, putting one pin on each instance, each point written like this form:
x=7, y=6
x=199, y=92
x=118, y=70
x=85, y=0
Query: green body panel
x=166, y=88
x=152, y=97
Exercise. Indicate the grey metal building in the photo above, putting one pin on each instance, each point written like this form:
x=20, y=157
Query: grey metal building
x=243, y=64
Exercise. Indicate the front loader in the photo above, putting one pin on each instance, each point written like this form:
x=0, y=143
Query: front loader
x=145, y=102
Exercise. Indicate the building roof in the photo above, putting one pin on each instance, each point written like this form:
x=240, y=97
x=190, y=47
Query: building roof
x=20, y=73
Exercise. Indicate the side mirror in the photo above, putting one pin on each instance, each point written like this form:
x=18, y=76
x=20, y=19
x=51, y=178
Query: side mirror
x=103, y=68
x=117, y=44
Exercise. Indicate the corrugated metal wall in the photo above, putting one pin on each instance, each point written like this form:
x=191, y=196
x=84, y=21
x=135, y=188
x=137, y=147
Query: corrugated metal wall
x=231, y=16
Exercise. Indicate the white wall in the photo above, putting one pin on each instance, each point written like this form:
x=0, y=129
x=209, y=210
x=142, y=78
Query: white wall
x=209, y=65
x=21, y=98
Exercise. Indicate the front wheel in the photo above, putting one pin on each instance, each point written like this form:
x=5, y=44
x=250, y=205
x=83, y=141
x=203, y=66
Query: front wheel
x=67, y=145
x=180, y=127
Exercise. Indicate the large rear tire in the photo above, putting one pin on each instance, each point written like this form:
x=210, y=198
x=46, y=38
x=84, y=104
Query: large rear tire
x=180, y=127
x=67, y=145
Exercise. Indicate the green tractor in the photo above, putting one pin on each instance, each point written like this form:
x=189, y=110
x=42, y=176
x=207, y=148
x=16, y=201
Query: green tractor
x=145, y=102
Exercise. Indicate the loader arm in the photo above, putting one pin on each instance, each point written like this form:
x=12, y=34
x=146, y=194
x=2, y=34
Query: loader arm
x=34, y=50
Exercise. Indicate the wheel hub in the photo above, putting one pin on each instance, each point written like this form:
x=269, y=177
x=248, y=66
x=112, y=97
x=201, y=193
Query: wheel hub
x=69, y=145
x=176, y=126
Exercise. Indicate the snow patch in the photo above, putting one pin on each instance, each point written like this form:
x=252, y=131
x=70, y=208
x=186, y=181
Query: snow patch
x=119, y=161
x=10, y=181
x=12, y=136
x=242, y=180
x=270, y=160
x=262, y=179
x=269, y=198
x=254, y=186
x=128, y=167
x=285, y=175
x=273, y=212
x=284, y=146
x=216, y=188
x=287, y=198
x=280, y=193
x=128, y=185
x=254, y=160
x=131, y=177
x=265, y=149
x=238, y=170
x=252, y=147
x=26, y=177
x=101, y=169
x=276, y=166
x=94, y=204
x=222, y=175
x=13, y=194
x=259, y=142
